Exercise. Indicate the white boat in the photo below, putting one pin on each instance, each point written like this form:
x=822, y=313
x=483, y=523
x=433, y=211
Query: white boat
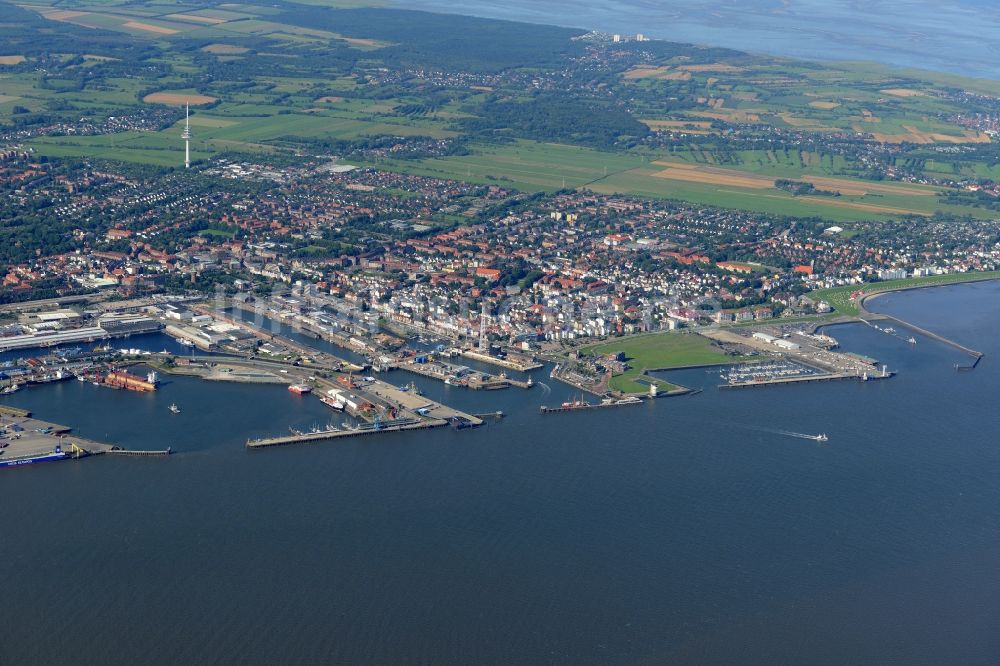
x=13, y=388
x=174, y=408
x=821, y=437
x=333, y=402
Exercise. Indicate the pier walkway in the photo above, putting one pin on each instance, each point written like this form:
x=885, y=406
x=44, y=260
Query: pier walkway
x=802, y=379
x=976, y=355
x=867, y=316
x=397, y=425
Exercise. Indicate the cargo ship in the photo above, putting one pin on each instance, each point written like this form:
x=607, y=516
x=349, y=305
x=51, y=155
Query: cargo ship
x=300, y=389
x=124, y=380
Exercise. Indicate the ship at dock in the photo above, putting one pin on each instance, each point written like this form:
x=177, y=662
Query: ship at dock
x=333, y=400
x=580, y=404
x=58, y=454
x=124, y=380
x=300, y=389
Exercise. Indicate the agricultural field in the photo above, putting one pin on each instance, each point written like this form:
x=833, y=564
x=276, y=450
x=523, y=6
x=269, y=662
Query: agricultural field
x=526, y=165
x=893, y=106
x=300, y=77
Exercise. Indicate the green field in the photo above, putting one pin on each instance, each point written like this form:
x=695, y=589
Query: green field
x=529, y=165
x=659, y=351
x=839, y=298
x=286, y=85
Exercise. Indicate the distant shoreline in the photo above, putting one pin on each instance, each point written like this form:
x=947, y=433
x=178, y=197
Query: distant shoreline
x=797, y=37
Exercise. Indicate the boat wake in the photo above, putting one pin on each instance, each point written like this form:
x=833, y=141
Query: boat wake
x=821, y=437
x=546, y=389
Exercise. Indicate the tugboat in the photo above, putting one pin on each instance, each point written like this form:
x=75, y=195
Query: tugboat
x=174, y=408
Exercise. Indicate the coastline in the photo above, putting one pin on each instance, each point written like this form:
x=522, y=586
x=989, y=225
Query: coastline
x=864, y=299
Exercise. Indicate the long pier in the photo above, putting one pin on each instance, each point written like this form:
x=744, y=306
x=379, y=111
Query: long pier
x=867, y=315
x=976, y=355
x=588, y=406
x=803, y=379
x=118, y=451
x=323, y=435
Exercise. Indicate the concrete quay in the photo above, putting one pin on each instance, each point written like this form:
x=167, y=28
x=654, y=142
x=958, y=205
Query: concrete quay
x=25, y=440
x=803, y=379
x=397, y=425
x=520, y=366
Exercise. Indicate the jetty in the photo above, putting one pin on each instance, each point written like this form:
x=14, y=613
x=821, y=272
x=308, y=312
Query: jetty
x=586, y=406
x=867, y=316
x=118, y=451
x=395, y=425
x=976, y=355
x=803, y=379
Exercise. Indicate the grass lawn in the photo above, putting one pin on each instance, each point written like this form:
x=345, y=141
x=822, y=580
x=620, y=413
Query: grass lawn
x=659, y=351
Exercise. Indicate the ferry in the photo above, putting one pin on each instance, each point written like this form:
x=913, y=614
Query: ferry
x=58, y=454
x=300, y=389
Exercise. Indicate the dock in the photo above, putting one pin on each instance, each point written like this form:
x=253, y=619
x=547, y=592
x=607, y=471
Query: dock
x=976, y=355
x=397, y=425
x=510, y=364
x=868, y=315
x=29, y=440
x=803, y=379
x=118, y=451
x=586, y=406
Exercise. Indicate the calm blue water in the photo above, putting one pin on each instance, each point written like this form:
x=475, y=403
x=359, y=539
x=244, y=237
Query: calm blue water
x=958, y=36
x=680, y=531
